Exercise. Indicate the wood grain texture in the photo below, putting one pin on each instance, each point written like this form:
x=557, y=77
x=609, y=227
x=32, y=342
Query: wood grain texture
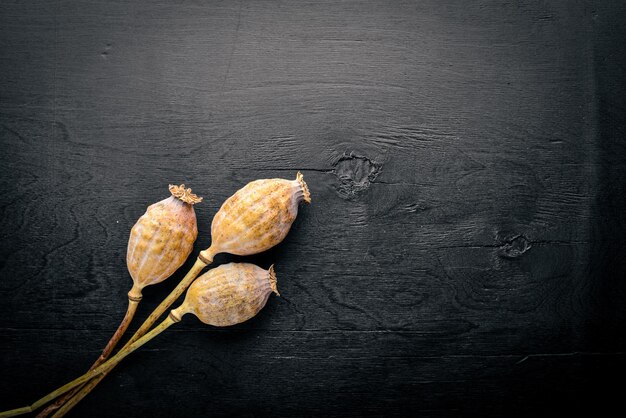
x=464, y=251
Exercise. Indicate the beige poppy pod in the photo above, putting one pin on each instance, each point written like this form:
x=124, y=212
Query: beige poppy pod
x=162, y=239
x=229, y=294
x=257, y=217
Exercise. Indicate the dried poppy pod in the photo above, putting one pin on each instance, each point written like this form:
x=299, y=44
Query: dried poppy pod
x=162, y=239
x=159, y=243
x=253, y=220
x=257, y=217
x=229, y=294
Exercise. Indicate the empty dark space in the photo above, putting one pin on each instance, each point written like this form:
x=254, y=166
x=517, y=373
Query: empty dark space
x=464, y=252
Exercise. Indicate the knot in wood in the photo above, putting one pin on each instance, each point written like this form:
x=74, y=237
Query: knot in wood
x=355, y=174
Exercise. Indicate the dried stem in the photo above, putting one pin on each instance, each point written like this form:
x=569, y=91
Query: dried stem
x=201, y=263
x=121, y=329
x=104, y=368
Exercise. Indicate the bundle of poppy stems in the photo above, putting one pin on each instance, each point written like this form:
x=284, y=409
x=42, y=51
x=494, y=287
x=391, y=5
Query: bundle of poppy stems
x=253, y=220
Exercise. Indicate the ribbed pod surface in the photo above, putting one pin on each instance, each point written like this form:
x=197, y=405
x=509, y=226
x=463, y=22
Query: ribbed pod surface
x=257, y=217
x=229, y=294
x=162, y=239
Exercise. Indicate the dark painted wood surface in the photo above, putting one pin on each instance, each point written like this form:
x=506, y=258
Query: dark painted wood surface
x=464, y=252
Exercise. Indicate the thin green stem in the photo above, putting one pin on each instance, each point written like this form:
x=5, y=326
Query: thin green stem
x=130, y=313
x=154, y=316
x=129, y=348
x=169, y=300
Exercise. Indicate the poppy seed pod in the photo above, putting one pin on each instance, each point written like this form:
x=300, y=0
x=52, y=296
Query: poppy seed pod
x=253, y=220
x=162, y=239
x=257, y=217
x=229, y=294
x=159, y=243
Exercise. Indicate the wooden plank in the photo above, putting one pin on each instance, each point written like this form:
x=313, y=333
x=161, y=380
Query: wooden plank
x=463, y=254
x=245, y=372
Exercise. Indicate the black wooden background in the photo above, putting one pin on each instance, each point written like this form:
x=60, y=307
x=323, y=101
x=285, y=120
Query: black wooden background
x=464, y=251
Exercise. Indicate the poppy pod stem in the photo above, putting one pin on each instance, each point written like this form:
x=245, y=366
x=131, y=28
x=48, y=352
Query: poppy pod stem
x=130, y=313
x=129, y=348
x=207, y=255
x=170, y=299
x=149, y=322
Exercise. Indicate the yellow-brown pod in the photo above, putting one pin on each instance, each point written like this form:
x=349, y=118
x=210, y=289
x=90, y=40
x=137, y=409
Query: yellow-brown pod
x=229, y=294
x=162, y=239
x=256, y=217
